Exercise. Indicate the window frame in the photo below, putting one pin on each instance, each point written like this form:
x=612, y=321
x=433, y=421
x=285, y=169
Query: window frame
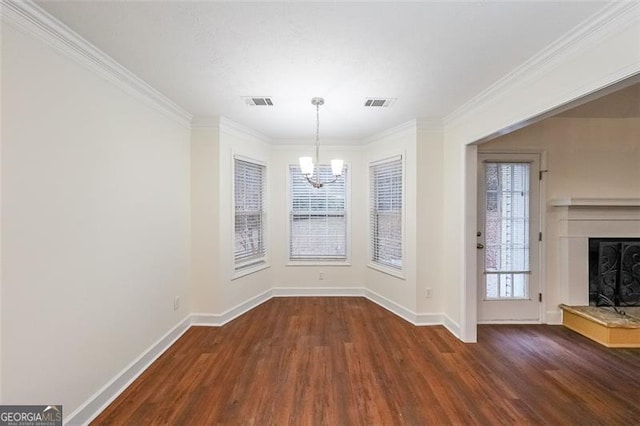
x=346, y=261
x=371, y=263
x=257, y=264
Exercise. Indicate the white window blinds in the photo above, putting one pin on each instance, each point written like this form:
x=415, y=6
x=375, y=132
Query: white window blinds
x=386, y=212
x=249, y=213
x=318, y=217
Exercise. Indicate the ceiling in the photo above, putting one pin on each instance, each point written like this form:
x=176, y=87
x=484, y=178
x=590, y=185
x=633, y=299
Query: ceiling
x=431, y=56
x=624, y=103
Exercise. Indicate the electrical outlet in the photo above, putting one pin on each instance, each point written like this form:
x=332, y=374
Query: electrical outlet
x=428, y=293
x=321, y=276
x=176, y=303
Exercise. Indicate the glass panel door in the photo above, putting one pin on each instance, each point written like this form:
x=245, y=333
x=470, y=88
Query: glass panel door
x=507, y=230
x=508, y=246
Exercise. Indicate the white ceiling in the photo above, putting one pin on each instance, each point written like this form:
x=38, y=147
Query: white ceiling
x=431, y=56
x=624, y=103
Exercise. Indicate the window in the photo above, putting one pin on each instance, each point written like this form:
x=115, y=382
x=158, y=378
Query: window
x=386, y=213
x=249, y=213
x=507, y=223
x=318, y=217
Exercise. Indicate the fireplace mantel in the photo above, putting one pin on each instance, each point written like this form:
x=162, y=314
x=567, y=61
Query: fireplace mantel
x=574, y=221
x=595, y=202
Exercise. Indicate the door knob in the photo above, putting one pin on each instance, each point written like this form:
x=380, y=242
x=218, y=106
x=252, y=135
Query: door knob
x=480, y=246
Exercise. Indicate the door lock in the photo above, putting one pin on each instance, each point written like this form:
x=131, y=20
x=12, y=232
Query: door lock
x=480, y=246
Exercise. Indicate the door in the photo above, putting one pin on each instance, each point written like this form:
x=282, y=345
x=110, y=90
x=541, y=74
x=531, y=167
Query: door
x=508, y=238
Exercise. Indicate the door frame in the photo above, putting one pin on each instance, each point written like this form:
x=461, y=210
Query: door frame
x=542, y=282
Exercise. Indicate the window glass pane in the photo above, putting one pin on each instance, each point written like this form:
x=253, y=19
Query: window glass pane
x=491, y=281
x=507, y=230
x=504, y=285
x=318, y=217
x=386, y=213
x=249, y=213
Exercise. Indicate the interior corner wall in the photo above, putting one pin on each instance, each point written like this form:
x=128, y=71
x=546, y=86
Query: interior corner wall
x=205, y=219
x=237, y=291
x=429, y=214
x=399, y=291
x=95, y=226
x=453, y=222
x=586, y=158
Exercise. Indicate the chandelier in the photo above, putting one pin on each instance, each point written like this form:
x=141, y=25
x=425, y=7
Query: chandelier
x=307, y=166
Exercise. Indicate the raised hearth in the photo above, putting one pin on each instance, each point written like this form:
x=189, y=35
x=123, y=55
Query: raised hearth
x=604, y=325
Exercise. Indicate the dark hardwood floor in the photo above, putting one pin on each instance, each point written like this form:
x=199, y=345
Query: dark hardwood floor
x=347, y=361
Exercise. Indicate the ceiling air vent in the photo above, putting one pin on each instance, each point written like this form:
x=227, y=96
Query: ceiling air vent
x=378, y=102
x=258, y=100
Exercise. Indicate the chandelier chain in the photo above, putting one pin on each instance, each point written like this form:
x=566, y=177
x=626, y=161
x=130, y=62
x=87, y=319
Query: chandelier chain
x=317, y=124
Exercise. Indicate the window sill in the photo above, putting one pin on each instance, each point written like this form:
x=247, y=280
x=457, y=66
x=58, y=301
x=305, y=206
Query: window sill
x=385, y=270
x=318, y=263
x=253, y=269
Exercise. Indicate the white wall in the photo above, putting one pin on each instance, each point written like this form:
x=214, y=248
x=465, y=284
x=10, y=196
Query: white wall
x=95, y=226
x=454, y=238
x=586, y=158
x=603, y=54
x=205, y=219
x=400, y=141
x=216, y=291
x=235, y=140
x=215, y=288
x=429, y=219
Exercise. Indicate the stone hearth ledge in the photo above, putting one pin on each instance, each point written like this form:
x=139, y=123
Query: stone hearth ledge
x=606, y=316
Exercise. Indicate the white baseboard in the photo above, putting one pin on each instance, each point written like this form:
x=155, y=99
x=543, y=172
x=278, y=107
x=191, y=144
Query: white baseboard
x=318, y=291
x=218, y=320
x=208, y=320
x=451, y=325
x=109, y=392
x=391, y=306
x=553, y=317
x=429, y=319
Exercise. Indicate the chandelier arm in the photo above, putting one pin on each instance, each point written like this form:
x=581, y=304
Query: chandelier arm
x=315, y=184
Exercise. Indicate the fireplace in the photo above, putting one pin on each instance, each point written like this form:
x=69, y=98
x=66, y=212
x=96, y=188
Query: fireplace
x=571, y=223
x=614, y=271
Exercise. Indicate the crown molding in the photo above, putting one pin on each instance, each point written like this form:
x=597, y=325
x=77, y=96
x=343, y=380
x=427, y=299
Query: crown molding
x=34, y=20
x=201, y=122
x=430, y=125
x=612, y=18
x=229, y=126
x=325, y=144
x=409, y=126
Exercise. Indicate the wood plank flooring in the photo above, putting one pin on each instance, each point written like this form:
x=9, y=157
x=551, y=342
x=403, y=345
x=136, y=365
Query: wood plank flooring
x=347, y=361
